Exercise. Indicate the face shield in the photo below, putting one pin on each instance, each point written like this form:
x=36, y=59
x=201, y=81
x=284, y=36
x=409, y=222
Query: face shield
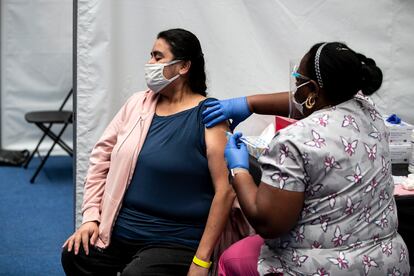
x=296, y=80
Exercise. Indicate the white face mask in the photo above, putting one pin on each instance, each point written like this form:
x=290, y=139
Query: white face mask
x=154, y=75
x=298, y=106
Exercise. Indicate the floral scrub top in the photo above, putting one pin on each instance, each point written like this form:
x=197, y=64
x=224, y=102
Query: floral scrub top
x=339, y=157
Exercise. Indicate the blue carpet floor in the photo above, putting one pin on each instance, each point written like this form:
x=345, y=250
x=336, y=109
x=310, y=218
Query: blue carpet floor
x=35, y=219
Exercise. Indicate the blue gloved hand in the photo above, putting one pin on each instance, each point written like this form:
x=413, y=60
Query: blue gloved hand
x=236, y=152
x=236, y=109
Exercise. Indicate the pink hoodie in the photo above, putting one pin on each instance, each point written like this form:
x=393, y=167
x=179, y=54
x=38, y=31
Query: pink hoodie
x=112, y=162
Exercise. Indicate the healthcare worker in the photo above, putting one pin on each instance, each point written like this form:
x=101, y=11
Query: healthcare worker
x=325, y=203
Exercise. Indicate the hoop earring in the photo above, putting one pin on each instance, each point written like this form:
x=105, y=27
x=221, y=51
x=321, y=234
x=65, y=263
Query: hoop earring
x=310, y=101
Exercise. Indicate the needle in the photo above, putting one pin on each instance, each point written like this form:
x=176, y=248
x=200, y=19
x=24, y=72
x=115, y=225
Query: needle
x=244, y=140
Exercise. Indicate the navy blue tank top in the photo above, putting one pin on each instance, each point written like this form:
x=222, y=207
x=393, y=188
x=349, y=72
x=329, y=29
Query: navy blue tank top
x=169, y=197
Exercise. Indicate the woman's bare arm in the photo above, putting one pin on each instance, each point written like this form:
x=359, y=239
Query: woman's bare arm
x=224, y=195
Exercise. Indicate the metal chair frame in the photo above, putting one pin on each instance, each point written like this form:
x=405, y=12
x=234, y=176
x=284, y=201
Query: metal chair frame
x=43, y=120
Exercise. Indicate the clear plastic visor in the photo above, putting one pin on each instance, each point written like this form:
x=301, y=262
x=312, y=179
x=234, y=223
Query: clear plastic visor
x=295, y=79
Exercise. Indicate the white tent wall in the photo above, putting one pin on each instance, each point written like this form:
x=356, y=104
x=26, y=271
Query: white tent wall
x=247, y=46
x=36, y=67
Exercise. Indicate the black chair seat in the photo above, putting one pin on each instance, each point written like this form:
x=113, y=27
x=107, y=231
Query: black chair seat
x=58, y=117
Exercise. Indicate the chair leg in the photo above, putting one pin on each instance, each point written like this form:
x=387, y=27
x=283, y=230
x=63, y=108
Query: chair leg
x=60, y=142
x=37, y=147
x=55, y=141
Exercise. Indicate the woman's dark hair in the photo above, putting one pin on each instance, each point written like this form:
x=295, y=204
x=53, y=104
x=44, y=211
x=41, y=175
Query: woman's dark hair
x=186, y=46
x=342, y=71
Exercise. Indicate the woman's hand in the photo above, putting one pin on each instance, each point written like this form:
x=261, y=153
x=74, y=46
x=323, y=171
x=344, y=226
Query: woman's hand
x=236, y=152
x=236, y=109
x=196, y=270
x=87, y=232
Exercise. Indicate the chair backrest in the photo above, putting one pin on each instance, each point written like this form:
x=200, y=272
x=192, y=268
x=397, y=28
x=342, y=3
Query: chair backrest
x=66, y=99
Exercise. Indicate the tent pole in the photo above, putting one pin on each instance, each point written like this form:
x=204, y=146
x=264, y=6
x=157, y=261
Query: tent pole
x=74, y=98
x=1, y=54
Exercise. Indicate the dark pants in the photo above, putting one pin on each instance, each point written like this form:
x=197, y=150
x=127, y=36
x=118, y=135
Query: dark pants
x=130, y=259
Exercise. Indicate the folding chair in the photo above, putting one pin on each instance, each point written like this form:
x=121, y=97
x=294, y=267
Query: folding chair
x=44, y=120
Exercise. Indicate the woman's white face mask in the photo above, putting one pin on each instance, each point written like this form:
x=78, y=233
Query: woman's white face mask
x=154, y=75
x=298, y=106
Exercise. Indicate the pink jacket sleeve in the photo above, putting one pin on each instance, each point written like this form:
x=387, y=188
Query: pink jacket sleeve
x=99, y=163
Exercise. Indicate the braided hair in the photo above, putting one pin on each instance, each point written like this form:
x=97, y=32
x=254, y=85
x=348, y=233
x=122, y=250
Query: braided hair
x=342, y=72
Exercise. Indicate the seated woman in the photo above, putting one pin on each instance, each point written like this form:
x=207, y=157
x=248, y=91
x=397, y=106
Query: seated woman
x=156, y=195
x=325, y=204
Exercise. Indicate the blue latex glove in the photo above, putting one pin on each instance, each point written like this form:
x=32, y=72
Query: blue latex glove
x=236, y=109
x=394, y=119
x=236, y=152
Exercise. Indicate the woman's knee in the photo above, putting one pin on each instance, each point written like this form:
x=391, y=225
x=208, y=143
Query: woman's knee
x=73, y=264
x=67, y=259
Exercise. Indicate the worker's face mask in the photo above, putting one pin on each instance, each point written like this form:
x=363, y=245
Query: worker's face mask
x=154, y=75
x=298, y=106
